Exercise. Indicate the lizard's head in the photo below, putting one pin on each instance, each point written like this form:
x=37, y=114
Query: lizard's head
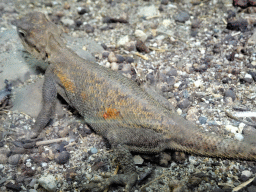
x=35, y=30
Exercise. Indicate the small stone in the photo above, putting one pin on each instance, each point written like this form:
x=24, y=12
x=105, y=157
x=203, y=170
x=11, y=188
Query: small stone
x=140, y=35
x=179, y=111
x=48, y=182
x=184, y=104
x=172, y=72
x=111, y=57
x=105, y=54
x=138, y=160
x=94, y=150
x=129, y=60
x=198, y=83
x=127, y=68
x=130, y=46
x=182, y=17
x=88, y=28
x=78, y=23
x=141, y=46
x=67, y=21
x=13, y=187
x=114, y=66
x=120, y=58
x=247, y=173
x=165, y=2
x=123, y=40
x=3, y=159
x=62, y=158
x=202, y=120
x=230, y=93
x=239, y=136
x=231, y=129
x=82, y=10
x=14, y=159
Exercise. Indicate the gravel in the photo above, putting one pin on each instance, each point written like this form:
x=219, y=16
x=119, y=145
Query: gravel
x=200, y=55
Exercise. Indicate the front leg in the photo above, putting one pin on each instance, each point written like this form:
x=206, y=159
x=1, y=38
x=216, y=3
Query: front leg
x=49, y=103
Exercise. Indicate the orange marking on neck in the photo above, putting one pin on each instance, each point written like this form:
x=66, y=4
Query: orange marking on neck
x=111, y=113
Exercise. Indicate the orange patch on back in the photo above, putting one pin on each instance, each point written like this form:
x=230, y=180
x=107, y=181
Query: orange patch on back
x=83, y=95
x=111, y=113
x=66, y=82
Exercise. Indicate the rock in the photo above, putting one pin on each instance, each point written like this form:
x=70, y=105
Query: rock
x=230, y=93
x=130, y=46
x=62, y=158
x=105, y=54
x=182, y=17
x=123, y=40
x=67, y=21
x=88, y=28
x=185, y=103
x=148, y=11
x=93, y=150
x=129, y=60
x=138, y=160
x=252, y=39
x=120, y=59
x=164, y=2
x=140, y=35
x=48, y=182
x=247, y=173
x=114, y=66
x=111, y=57
x=237, y=25
x=13, y=187
x=3, y=159
x=231, y=129
x=141, y=47
x=31, y=104
x=14, y=159
x=202, y=120
x=83, y=10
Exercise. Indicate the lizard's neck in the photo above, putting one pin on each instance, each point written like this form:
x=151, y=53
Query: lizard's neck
x=59, y=54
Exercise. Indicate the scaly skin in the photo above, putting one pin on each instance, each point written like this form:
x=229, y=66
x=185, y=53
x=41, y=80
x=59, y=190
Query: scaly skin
x=129, y=117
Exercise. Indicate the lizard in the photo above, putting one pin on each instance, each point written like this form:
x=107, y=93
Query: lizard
x=129, y=117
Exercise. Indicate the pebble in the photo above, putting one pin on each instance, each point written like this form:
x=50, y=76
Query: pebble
x=182, y=17
x=148, y=11
x=165, y=2
x=94, y=150
x=185, y=103
x=239, y=136
x=230, y=93
x=48, y=182
x=14, y=159
x=3, y=159
x=62, y=158
x=105, y=54
x=88, y=28
x=231, y=129
x=83, y=10
x=111, y=57
x=141, y=47
x=138, y=160
x=140, y=35
x=129, y=60
x=123, y=40
x=114, y=66
x=247, y=173
x=67, y=21
x=120, y=59
x=198, y=83
x=202, y=120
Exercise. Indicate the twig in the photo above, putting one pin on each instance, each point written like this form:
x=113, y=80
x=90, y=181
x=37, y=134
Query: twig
x=237, y=119
x=46, y=142
x=140, y=55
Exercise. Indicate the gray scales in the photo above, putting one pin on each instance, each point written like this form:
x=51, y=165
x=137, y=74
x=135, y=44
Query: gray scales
x=131, y=118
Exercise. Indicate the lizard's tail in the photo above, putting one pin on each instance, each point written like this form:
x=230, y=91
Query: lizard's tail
x=208, y=144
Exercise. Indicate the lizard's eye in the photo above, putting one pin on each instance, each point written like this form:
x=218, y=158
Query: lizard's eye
x=22, y=33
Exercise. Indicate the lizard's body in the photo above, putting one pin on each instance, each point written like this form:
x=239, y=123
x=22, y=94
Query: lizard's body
x=129, y=117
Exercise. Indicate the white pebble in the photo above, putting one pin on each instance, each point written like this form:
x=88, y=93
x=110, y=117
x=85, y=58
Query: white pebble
x=247, y=173
x=179, y=111
x=231, y=129
x=198, y=83
x=239, y=136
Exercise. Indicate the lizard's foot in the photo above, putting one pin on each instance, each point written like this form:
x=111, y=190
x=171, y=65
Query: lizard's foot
x=124, y=158
x=121, y=179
